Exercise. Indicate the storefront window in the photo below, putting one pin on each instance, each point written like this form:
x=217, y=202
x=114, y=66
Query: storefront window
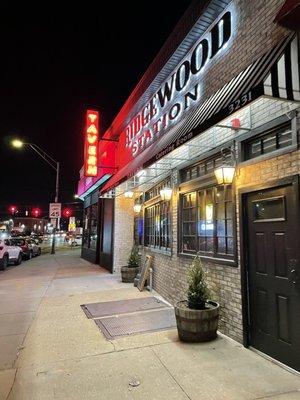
x=207, y=222
x=90, y=232
x=85, y=235
x=189, y=220
x=158, y=226
x=93, y=227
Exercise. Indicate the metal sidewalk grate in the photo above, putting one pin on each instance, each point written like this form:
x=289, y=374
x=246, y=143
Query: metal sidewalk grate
x=97, y=310
x=130, y=324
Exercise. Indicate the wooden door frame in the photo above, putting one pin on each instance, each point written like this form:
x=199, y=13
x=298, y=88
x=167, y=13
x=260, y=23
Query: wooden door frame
x=243, y=234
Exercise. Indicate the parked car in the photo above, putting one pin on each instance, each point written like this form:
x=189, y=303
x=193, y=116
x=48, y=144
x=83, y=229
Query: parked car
x=29, y=247
x=9, y=253
x=40, y=238
x=21, y=242
x=36, y=249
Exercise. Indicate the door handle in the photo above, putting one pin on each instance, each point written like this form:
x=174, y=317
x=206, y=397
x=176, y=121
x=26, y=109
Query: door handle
x=293, y=277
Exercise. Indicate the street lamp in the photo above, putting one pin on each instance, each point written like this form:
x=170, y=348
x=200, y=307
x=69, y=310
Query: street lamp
x=18, y=144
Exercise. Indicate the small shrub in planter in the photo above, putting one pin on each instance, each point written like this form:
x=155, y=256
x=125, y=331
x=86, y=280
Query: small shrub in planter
x=130, y=271
x=197, y=317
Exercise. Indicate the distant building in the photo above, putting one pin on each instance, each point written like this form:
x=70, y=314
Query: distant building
x=23, y=224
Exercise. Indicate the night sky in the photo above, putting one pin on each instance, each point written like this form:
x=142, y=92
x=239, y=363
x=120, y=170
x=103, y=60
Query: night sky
x=56, y=63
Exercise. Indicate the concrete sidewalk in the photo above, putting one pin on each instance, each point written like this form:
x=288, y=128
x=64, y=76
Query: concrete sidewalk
x=50, y=350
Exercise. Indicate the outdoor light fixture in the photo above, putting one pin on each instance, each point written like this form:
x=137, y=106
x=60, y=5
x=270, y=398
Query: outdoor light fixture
x=137, y=208
x=225, y=173
x=129, y=194
x=166, y=193
x=17, y=143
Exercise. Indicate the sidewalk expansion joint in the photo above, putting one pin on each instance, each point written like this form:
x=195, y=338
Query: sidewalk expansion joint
x=170, y=373
x=272, y=395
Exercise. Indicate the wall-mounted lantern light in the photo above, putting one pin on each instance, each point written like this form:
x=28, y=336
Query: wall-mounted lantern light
x=225, y=173
x=128, y=194
x=166, y=193
x=137, y=208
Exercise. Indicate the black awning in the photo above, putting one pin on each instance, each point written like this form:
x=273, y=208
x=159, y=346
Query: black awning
x=274, y=74
x=289, y=15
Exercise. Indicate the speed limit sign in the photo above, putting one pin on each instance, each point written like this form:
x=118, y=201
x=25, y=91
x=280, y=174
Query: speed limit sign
x=55, y=210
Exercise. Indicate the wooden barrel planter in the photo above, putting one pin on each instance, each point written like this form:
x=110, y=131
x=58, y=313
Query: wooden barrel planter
x=197, y=325
x=129, y=273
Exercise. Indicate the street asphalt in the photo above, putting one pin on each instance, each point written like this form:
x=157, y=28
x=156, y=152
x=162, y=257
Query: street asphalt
x=49, y=349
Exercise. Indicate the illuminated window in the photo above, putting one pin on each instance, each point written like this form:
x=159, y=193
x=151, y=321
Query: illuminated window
x=207, y=222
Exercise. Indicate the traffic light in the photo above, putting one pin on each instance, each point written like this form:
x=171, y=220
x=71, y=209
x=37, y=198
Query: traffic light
x=36, y=212
x=13, y=210
x=67, y=212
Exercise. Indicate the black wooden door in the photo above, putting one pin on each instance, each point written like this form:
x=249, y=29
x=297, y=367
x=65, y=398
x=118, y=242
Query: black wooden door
x=274, y=273
x=106, y=209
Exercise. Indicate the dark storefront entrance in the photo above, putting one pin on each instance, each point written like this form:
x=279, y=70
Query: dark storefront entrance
x=106, y=209
x=272, y=250
x=97, y=246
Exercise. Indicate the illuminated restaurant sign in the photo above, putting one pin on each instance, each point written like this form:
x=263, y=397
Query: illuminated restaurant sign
x=180, y=91
x=91, y=143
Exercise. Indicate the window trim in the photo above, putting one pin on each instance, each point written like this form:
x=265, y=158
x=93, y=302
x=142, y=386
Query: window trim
x=260, y=131
x=196, y=185
x=159, y=185
x=203, y=158
x=153, y=203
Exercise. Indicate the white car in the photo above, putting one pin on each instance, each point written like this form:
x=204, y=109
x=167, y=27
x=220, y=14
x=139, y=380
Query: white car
x=9, y=253
x=75, y=240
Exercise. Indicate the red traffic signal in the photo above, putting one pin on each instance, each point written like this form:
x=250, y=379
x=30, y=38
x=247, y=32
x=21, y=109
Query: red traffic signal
x=67, y=212
x=36, y=212
x=13, y=209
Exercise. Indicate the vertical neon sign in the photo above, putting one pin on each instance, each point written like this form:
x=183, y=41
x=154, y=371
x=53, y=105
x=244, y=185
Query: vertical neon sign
x=91, y=143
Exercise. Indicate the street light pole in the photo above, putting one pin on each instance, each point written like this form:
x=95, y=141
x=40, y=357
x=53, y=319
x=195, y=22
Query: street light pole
x=57, y=182
x=55, y=165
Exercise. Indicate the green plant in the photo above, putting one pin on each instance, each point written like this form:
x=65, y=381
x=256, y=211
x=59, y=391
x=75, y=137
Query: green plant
x=198, y=292
x=133, y=260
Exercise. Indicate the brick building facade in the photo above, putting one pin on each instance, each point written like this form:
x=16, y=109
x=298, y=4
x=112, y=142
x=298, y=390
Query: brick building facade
x=234, y=227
